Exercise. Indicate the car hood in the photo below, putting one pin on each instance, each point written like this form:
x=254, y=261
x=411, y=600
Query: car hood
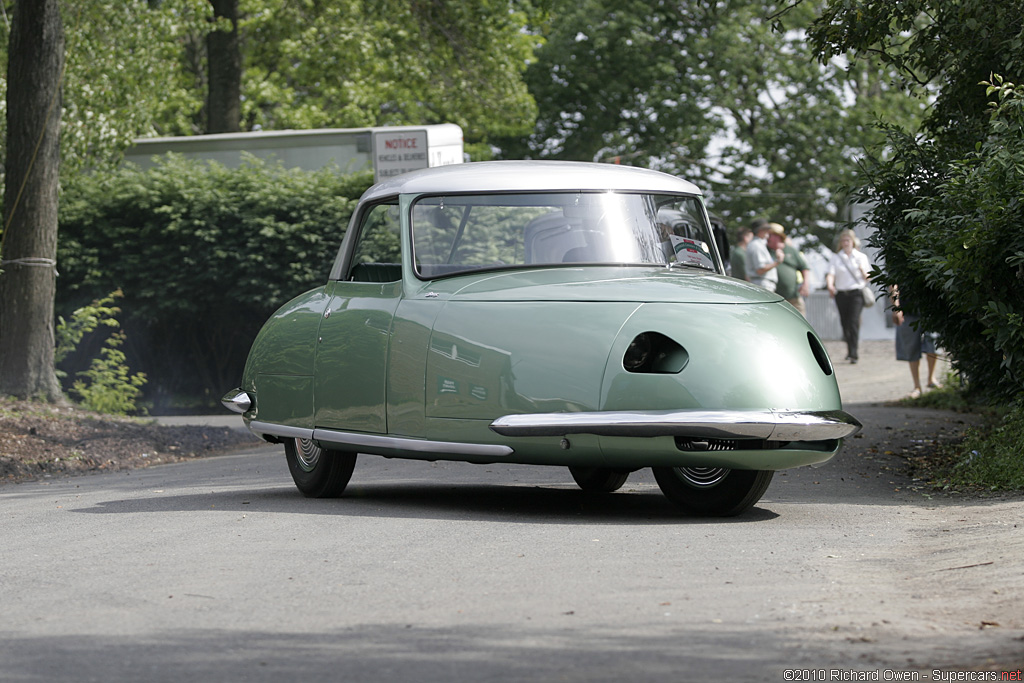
x=590, y=283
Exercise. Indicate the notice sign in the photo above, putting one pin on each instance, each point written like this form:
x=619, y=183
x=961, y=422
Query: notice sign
x=399, y=152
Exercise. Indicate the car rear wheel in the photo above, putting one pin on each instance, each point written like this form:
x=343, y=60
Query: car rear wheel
x=713, y=491
x=318, y=472
x=598, y=479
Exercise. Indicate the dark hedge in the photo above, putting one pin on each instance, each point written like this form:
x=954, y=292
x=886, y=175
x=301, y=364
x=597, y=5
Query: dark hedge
x=203, y=254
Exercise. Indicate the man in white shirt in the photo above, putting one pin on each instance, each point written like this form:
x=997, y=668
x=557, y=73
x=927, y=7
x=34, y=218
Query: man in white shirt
x=761, y=264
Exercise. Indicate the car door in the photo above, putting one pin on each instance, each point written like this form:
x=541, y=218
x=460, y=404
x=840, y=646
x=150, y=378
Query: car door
x=350, y=374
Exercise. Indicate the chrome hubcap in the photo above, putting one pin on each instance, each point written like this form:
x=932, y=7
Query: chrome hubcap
x=308, y=454
x=702, y=477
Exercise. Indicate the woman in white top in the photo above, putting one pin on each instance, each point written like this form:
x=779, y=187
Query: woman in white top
x=847, y=274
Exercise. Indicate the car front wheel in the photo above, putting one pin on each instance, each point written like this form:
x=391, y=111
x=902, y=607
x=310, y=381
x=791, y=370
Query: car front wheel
x=318, y=472
x=712, y=491
x=598, y=479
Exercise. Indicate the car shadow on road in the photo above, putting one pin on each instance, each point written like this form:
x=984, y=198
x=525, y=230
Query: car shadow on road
x=643, y=504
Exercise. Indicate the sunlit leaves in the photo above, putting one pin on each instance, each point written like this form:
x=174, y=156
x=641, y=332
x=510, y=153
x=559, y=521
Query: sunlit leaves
x=122, y=74
x=725, y=92
x=357, y=63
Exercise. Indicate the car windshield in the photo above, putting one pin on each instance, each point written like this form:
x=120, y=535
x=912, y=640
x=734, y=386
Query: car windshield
x=458, y=233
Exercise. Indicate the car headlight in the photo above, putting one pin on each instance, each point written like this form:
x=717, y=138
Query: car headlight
x=653, y=352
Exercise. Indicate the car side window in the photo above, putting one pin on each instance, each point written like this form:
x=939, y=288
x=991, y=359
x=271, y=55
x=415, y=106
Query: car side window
x=452, y=234
x=377, y=256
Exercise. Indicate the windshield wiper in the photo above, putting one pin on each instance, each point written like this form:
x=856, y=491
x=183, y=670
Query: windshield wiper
x=698, y=266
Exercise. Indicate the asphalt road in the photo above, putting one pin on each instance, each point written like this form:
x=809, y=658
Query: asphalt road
x=218, y=570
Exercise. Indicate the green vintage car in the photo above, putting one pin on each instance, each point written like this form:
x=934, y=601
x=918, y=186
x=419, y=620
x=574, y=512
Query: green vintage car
x=546, y=313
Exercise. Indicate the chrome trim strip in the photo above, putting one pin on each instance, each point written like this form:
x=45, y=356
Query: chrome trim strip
x=394, y=443
x=770, y=425
x=380, y=442
x=280, y=430
x=237, y=401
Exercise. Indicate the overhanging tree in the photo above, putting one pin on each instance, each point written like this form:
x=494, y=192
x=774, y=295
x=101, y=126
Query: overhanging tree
x=723, y=92
x=940, y=49
x=947, y=197
x=275, y=64
x=122, y=75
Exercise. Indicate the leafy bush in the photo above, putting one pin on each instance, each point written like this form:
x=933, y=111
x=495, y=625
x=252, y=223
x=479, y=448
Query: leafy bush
x=203, y=255
x=949, y=230
x=69, y=333
x=108, y=387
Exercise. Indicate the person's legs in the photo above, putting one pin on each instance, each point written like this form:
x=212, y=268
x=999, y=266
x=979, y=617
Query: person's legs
x=928, y=346
x=915, y=374
x=844, y=315
x=850, y=305
x=932, y=384
x=908, y=348
x=856, y=306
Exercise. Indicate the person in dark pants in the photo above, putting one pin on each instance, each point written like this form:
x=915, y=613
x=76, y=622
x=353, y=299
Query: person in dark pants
x=912, y=343
x=847, y=275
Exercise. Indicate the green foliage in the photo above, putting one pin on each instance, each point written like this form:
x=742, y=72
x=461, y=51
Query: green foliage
x=949, y=231
x=947, y=198
x=989, y=456
x=122, y=74
x=724, y=93
x=69, y=333
x=947, y=201
x=354, y=63
x=798, y=127
x=617, y=78
x=949, y=397
x=138, y=68
x=108, y=387
x=940, y=49
x=203, y=254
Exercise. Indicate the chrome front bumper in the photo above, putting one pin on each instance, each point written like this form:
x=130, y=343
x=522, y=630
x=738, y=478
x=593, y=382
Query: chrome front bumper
x=769, y=425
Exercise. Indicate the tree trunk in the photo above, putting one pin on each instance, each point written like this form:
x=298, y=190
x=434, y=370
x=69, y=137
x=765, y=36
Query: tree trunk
x=29, y=247
x=224, y=60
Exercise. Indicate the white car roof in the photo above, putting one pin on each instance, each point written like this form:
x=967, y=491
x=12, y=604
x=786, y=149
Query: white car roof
x=526, y=176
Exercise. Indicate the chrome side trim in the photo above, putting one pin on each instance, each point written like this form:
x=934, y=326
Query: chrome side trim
x=394, y=443
x=380, y=442
x=237, y=401
x=770, y=425
x=280, y=430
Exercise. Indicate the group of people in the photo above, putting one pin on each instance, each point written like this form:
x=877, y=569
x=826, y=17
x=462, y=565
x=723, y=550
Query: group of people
x=766, y=257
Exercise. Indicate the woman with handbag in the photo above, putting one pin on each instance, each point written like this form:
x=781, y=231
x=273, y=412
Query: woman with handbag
x=846, y=280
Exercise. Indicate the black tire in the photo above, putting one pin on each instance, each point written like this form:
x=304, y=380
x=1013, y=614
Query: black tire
x=598, y=479
x=317, y=472
x=712, y=491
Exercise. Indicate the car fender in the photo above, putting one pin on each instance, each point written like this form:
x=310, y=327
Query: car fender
x=279, y=369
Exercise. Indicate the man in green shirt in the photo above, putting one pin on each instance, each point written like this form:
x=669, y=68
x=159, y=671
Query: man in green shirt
x=738, y=257
x=793, y=283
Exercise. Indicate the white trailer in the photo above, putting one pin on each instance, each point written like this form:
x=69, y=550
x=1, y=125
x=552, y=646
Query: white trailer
x=389, y=150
